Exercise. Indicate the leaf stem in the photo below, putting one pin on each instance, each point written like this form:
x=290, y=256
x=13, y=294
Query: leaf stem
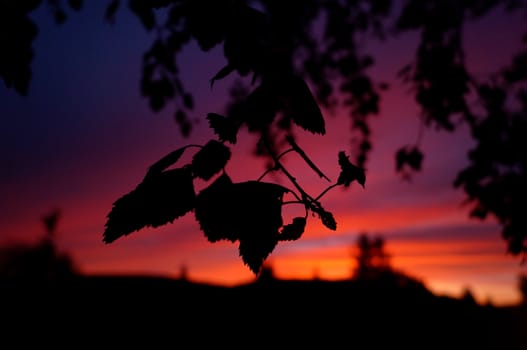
x=304, y=156
x=326, y=191
x=280, y=166
x=274, y=168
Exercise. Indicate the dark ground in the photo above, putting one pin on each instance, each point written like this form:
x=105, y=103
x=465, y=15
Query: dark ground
x=166, y=313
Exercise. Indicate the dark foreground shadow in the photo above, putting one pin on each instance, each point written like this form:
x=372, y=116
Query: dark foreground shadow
x=271, y=313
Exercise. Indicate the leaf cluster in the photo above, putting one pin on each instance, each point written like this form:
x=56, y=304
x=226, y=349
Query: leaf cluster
x=248, y=213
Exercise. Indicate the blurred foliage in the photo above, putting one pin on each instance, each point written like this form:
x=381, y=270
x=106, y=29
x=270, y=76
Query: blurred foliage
x=300, y=56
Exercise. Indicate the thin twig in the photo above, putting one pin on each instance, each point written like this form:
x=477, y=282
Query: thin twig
x=326, y=190
x=304, y=156
x=274, y=168
x=280, y=166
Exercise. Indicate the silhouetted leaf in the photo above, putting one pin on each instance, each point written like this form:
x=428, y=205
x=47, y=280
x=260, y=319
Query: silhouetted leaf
x=207, y=21
x=400, y=159
x=294, y=230
x=349, y=172
x=226, y=128
x=327, y=219
x=247, y=38
x=289, y=94
x=59, y=15
x=259, y=217
x=166, y=161
x=517, y=72
x=111, y=9
x=415, y=158
x=325, y=216
x=494, y=97
x=222, y=73
x=248, y=212
x=75, y=4
x=258, y=206
x=159, y=199
x=479, y=212
x=255, y=248
x=408, y=160
x=302, y=106
x=157, y=4
x=261, y=106
x=17, y=32
x=143, y=10
x=211, y=159
x=188, y=101
x=215, y=212
x=183, y=122
x=515, y=236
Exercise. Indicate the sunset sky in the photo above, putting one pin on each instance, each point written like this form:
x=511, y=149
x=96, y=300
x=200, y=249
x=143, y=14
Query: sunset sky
x=84, y=137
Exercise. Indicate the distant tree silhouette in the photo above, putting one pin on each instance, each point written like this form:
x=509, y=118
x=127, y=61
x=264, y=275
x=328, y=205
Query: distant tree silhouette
x=468, y=297
x=522, y=286
x=372, y=258
x=300, y=56
x=373, y=267
x=183, y=273
x=40, y=261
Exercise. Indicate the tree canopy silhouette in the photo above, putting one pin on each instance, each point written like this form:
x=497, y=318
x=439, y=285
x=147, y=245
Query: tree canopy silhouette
x=301, y=56
x=372, y=258
x=373, y=266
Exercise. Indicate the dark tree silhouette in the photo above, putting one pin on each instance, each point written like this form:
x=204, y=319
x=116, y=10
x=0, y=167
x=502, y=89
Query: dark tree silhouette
x=40, y=261
x=522, y=286
x=372, y=259
x=301, y=55
x=468, y=297
x=373, y=269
